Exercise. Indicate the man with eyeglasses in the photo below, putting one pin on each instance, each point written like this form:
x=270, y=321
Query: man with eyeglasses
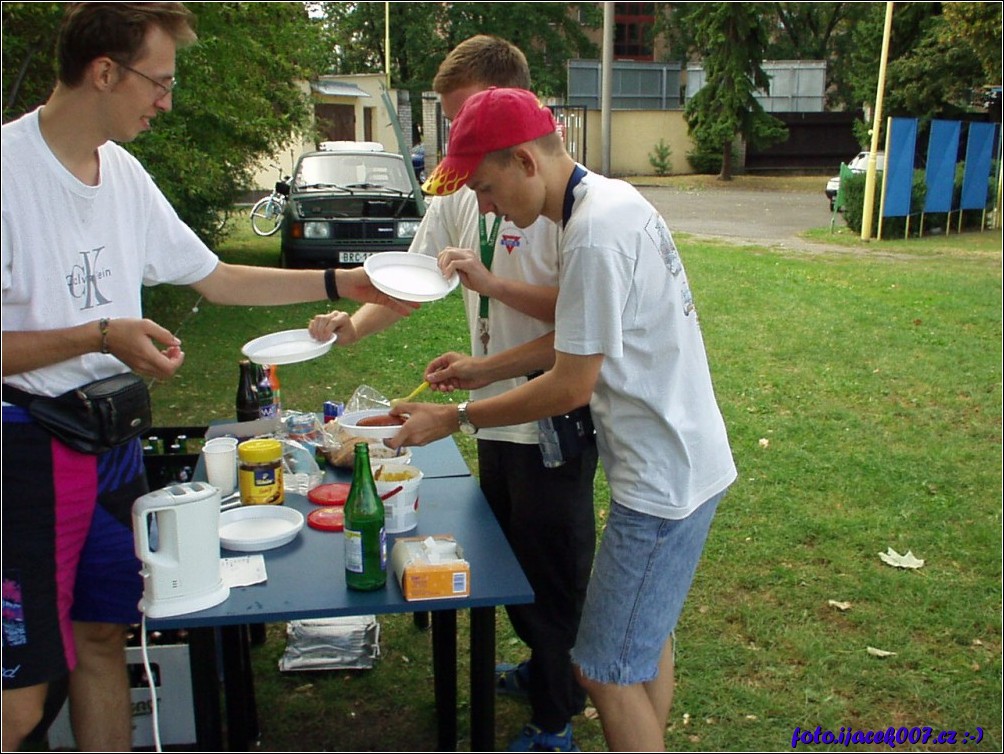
x=84, y=227
x=164, y=89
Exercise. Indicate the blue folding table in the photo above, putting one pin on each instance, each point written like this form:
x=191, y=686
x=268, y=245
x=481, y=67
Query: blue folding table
x=450, y=502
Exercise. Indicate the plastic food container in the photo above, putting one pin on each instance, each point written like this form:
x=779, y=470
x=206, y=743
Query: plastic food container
x=400, y=510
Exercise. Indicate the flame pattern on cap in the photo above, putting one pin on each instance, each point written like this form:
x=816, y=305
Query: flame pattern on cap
x=444, y=182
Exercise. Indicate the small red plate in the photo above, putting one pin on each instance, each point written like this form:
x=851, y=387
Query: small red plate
x=335, y=493
x=329, y=518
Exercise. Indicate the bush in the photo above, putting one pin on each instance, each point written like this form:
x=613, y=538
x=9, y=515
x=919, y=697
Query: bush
x=895, y=227
x=708, y=161
x=658, y=158
x=705, y=162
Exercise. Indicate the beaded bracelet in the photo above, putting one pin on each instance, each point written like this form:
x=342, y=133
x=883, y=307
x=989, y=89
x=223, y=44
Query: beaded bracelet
x=103, y=327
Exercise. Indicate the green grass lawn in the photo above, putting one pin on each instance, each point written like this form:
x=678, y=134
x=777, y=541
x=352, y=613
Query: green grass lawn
x=862, y=391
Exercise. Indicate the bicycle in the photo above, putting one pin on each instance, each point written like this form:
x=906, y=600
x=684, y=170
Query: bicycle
x=267, y=212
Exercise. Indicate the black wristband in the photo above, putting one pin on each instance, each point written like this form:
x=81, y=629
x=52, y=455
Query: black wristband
x=331, y=285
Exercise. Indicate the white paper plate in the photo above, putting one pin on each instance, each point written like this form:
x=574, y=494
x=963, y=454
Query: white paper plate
x=286, y=347
x=408, y=276
x=251, y=528
x=350, y=423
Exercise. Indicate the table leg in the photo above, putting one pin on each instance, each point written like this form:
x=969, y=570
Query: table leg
x=238, y=685
x=205, y=689
x=483, y=679
x=444, y=671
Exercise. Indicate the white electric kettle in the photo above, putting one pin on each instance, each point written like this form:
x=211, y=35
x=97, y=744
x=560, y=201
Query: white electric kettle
x=181, y=568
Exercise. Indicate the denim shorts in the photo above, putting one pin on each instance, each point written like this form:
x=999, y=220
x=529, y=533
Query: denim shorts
x=643, y=571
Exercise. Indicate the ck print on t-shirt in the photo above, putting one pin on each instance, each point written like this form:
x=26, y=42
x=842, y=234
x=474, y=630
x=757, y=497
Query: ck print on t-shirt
x=662, y=239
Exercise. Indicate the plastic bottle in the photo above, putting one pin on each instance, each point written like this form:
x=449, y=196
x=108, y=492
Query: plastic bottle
x=273, y=379
x=365, y=537
x=247, y=393
x=266, y=399
x=550, y=446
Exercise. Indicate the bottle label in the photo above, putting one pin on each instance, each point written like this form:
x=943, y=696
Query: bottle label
x=268, y=411
x=353, y=551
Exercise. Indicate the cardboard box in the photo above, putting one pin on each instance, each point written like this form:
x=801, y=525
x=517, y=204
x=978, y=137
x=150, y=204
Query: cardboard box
x=430, y=568
x=172, y=674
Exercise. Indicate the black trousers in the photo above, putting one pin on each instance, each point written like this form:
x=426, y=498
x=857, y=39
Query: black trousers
x=547, y=517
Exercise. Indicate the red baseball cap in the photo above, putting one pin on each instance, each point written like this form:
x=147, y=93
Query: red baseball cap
x=487, y=122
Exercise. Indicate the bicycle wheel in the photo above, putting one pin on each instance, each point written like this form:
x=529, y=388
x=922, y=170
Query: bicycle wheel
x=266, y=216
x=222, y=218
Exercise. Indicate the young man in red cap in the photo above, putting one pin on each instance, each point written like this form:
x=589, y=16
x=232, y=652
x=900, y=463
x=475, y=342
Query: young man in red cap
x=627, y=341
x=509, y=277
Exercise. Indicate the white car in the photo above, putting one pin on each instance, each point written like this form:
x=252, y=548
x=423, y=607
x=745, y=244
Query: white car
x=858, y=165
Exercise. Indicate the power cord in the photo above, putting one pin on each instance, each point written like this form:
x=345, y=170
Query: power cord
x=154, y=712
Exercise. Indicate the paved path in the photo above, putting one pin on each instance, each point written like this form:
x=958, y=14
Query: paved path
x=743, y=216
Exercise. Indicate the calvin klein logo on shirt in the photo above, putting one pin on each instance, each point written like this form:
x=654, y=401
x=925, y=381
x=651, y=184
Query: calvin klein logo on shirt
x=83, y=279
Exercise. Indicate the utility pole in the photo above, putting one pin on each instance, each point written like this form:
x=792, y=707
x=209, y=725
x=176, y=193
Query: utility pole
x=386, y=41
x=607, y=85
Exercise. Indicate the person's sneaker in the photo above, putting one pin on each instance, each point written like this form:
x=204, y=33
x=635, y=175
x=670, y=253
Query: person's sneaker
x=534, y=739
x=513, y=680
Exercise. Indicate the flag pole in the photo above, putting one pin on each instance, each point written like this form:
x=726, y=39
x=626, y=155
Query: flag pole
x=868, y=209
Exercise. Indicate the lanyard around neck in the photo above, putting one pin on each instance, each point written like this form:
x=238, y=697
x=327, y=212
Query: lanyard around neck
x=573, y=180
x=487, y=254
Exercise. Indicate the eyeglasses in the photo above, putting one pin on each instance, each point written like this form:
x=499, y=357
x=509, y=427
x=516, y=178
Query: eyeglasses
x=164, y=88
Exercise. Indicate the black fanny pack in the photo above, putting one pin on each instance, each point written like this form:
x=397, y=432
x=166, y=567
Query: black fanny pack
x=93, y=418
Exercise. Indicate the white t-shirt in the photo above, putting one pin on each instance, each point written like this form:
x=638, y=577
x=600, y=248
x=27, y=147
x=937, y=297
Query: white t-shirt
x=623, y=293
x=529, y=255
x=74, y=253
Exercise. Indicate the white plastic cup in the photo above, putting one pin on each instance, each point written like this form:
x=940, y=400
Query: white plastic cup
x=221, y=464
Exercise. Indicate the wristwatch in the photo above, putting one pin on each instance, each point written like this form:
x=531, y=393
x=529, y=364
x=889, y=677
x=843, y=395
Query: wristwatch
x=465, y=423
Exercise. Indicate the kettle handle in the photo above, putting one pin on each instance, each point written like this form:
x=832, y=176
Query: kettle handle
x=141, y=530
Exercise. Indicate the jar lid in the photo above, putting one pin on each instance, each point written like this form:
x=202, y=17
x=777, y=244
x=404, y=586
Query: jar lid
x=329, y=518
x=334, y=493
x=260, y=451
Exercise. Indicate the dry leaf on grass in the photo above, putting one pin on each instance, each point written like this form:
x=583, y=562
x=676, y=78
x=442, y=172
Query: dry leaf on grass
x=839, y=605
x=893, y=558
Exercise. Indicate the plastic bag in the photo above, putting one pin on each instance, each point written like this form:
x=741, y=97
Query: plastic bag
x=350, y=643
x=300, y=472
x=366, y=397
x=305, y=428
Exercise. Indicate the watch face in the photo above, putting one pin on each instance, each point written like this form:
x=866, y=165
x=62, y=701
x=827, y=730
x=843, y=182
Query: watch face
x=465, y=424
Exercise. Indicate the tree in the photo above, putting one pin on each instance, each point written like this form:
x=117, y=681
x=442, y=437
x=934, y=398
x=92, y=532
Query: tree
x=421, y=35
x=239, y=100
x=941, y=56
x=731, y=39
x=976, y=26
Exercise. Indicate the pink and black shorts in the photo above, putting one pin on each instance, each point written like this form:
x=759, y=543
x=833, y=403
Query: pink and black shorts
x=68, y=552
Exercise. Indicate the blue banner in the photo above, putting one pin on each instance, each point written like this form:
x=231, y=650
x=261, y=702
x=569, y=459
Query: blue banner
x=979, y=152
x=899, y=167
x=942, y=154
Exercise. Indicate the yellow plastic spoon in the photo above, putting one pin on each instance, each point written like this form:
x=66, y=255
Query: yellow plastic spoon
x=411, y=395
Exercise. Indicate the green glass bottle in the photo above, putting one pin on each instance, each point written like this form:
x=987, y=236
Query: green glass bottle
x=365, y=538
